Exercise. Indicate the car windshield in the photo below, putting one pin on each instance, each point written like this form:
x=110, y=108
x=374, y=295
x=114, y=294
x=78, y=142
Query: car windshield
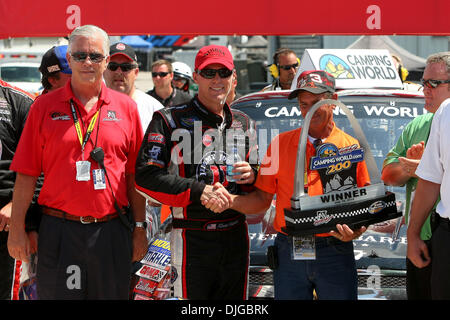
x=20, y=74
x=382, y=119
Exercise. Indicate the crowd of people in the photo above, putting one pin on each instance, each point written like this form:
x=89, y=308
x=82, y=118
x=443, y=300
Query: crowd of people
x=87, y=165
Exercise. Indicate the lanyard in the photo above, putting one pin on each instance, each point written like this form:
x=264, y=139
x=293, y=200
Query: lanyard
x=78, y=127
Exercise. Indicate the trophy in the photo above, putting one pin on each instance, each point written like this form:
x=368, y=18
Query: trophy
x=354, y=206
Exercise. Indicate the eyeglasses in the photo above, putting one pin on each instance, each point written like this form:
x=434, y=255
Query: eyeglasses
x=288, y=67
x=160, y=74
x=125, y=67
x=211, y=73
x=431, y=84
x=82, y=56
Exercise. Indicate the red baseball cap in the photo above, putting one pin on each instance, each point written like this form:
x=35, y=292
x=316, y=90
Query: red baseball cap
x=214, y=54
x=314, y=81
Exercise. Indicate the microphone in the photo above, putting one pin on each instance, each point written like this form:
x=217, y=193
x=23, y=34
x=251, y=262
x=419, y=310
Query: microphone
x=98, y=156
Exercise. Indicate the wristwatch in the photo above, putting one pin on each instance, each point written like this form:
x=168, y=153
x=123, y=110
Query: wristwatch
x=140, y=224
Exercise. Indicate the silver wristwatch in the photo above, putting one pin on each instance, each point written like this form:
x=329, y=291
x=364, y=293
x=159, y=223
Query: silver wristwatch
x=141, y=224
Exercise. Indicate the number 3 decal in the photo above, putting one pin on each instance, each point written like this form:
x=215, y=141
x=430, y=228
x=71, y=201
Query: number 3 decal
x=315, y=77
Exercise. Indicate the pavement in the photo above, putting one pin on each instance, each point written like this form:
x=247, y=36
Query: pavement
x=144, y=81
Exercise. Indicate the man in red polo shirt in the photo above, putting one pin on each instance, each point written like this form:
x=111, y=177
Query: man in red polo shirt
x=85, y=139
x=326, y=263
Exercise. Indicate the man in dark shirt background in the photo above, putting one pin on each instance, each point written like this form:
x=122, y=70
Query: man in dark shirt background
x=163, y=90
x=14, y=107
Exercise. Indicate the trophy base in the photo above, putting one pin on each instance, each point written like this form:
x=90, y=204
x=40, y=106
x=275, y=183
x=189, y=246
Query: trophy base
x=355, y=215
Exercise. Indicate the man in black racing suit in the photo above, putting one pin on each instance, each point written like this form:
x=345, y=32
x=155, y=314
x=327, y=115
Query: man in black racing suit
x=14, y=106
x=182, y=161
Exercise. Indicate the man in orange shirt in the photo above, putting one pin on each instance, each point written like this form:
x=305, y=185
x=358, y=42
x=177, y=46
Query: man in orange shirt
x=327, y=263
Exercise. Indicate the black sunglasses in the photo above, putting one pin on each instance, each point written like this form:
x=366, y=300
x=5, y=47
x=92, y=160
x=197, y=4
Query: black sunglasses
x=211, y=73
x=82, y=56
x=176, y=78
x=431, y=84
x=288, y=67
x=160, y=74
x=125, y=67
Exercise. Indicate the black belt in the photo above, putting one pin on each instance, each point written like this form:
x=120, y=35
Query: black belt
x=208, y=224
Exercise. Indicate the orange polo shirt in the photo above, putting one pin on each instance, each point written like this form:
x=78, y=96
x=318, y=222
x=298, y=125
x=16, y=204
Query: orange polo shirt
x=276, y=174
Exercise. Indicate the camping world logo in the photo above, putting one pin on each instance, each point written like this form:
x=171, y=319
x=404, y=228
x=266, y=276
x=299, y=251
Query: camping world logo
x=334, y=159
x=377, y=206
x=335, y=66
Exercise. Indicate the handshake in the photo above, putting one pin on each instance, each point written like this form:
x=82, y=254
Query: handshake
x=217, y=198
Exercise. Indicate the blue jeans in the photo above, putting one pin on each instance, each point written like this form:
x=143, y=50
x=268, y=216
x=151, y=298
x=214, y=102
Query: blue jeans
x=332, y=274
